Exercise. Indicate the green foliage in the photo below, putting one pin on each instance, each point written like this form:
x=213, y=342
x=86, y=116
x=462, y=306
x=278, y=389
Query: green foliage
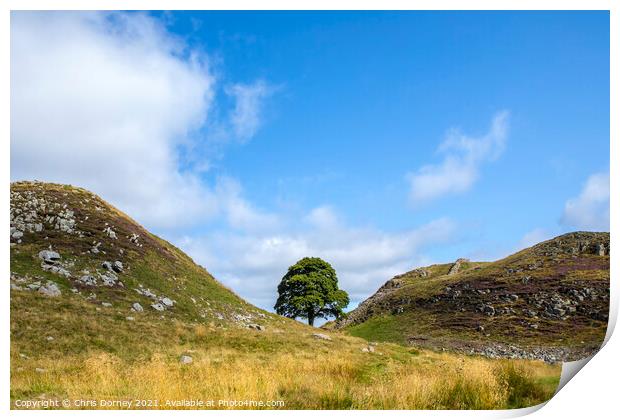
x=309, y=290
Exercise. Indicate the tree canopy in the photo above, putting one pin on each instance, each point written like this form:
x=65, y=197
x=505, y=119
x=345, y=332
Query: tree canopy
x=309, y=290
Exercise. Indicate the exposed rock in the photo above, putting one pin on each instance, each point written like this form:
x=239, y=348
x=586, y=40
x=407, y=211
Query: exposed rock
x=486, y=309
x=158, y=307
x=107, y=265
x=456, y=267
x=167, y=301
x=146, y=292
x=135, y=239
x=106, y=304
x=49, y=257
x=137, y=307
x=185, y=359
x=108, y=231
x=256, y=327
x=50, y=289
x=88, y=280
x=109, y=279
x=129, y=318
x=56, y=269
x=34, y=286
x=117, y=266
x=321, y=336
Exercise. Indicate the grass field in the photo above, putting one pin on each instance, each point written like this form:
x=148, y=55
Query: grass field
x=101, y=355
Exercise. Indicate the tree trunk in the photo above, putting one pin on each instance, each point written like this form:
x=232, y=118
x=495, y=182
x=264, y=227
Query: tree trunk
x=311, y=319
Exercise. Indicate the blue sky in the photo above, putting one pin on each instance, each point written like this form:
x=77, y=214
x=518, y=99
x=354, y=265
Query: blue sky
x=379, y=141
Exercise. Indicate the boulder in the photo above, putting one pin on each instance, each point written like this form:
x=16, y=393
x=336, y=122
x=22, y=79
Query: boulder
x=137, y=307
x=167, y=301
x=158, y=307
x=49, y=257
x=109, y=278
x=88, y=280
x=185, y=359
x=50, y=289
x=117, y=266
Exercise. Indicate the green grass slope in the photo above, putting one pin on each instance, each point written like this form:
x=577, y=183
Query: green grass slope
x=88, y=234
x=550, y=301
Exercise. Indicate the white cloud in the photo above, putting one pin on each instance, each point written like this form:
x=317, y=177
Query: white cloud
x=460, y=168
x=239, y=213
x=245, y=118
x=364, y=258
x=103, y=101
x=109, y=101
x=589, y=210
x=323, y=218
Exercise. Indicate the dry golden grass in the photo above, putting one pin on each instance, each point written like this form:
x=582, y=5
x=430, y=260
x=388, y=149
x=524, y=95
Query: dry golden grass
x=100, y=355
x=334, y=380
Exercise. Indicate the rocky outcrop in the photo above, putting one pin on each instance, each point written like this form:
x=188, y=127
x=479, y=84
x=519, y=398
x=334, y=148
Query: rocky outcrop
x=553, y=292
x=375, y=304
x=456, y=267
x=50, y=289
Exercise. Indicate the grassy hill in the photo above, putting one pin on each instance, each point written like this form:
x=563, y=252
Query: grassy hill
x=103, y=310
x=550, y=301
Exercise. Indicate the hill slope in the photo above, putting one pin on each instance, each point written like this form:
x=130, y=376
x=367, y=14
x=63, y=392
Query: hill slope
x=71, y=241
x=549, y=301
x=101, y=310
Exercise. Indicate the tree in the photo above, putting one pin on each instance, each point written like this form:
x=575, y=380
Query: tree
x=309, y=290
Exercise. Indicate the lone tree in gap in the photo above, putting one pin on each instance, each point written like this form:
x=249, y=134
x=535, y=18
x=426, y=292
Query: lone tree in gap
x=309, y=290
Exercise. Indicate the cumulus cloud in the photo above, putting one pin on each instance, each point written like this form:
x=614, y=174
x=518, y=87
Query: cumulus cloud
x=109, y=101
x=253, y=263
x=460, y=168
x=590, y=209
